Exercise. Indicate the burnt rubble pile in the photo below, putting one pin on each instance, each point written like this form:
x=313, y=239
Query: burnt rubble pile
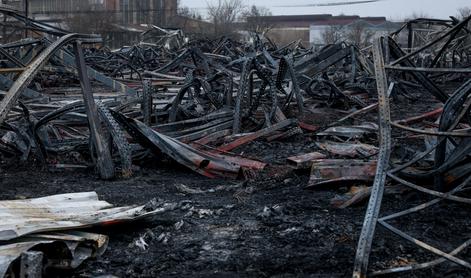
x=385, y=119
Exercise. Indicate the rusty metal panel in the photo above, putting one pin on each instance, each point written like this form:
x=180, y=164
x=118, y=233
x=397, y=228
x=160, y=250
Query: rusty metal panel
x=329, y=171
x=304, y=161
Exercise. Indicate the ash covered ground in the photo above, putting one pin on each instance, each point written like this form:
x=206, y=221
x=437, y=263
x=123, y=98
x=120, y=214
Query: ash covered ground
x=268, y=227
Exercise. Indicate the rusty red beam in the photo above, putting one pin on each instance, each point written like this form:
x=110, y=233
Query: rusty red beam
x=432, y=114
x=308, y=127
x=251, y=137
x=330, y=171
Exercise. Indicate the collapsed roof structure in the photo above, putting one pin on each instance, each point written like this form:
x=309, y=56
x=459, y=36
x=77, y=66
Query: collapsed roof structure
x=195, y=102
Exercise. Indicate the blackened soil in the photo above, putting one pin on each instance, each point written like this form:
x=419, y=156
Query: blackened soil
x=270, y=226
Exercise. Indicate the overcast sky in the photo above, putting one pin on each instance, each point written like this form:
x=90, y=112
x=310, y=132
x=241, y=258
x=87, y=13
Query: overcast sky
x=392, y=9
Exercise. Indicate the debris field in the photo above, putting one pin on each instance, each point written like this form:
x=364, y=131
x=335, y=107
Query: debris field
x=180, y=157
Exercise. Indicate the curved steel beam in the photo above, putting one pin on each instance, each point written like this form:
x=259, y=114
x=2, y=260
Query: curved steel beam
x=104, y=162
x=366, y=238
x=28, y=75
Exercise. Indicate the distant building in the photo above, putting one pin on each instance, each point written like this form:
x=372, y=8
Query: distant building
x=309, y=28
x=119, y=20
x=377, y=26
x=195, y=27
x=287, y=28
x=157, y=12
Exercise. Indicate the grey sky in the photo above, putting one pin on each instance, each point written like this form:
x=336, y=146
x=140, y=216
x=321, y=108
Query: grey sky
x=393, y=9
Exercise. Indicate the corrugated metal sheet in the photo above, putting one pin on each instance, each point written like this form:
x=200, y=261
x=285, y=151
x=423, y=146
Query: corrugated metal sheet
x=22, y=220
x=61, y=212
x=205, y=163
x=75, y=248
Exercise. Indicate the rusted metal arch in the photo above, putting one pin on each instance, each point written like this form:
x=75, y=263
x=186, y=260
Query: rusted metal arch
x=28, y=75
x=104, y=162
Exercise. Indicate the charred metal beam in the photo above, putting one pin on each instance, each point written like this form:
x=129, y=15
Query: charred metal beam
x=366, y=238
x=68, y=60
x=397, y=52
x=422, y=48
x=27, y=76
x=104, y=162
x=146, y=105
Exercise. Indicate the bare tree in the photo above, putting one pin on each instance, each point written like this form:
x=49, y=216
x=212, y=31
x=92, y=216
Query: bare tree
x=333, y=34
x=416, y=15
x=224, y=14
x=464, y=12
x=358, y=34
x=190, y=13
x=191, y=22
x=187, y=12
x=255, y=19
x=91, y=22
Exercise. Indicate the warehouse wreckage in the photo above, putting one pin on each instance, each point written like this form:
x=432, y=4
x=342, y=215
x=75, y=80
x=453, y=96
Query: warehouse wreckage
x=66, y=106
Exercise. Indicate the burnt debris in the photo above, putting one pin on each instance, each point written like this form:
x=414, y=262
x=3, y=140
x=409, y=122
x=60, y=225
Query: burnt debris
x=387, y=119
